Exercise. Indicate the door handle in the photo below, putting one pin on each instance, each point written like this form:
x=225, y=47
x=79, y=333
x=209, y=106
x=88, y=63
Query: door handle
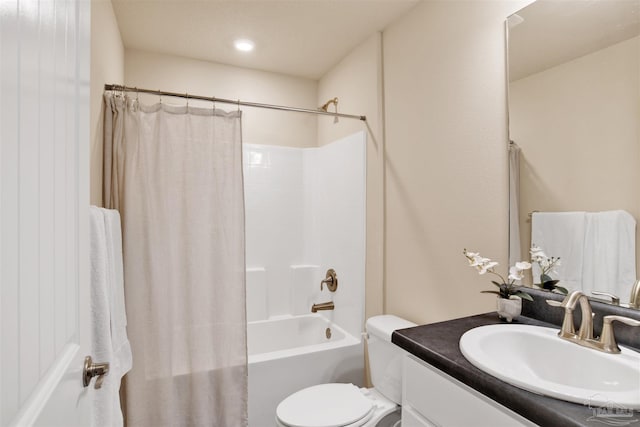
x=94, y=370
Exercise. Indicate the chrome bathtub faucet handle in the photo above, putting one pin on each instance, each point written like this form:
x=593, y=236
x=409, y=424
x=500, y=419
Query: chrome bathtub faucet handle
x=608, y=339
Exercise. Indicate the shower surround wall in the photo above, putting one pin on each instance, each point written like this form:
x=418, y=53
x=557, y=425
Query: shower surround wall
x=305, y=213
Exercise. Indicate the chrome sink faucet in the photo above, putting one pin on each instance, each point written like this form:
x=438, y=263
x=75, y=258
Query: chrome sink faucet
x=584, y=337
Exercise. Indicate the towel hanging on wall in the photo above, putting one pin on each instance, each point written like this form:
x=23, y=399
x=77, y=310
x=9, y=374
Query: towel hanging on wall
x=109, y=341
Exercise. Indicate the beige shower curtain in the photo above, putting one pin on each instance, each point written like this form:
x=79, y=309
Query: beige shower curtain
x=175, y=175
x=515, y=251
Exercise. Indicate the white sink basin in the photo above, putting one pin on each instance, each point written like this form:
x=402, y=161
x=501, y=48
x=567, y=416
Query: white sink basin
x=536, y=359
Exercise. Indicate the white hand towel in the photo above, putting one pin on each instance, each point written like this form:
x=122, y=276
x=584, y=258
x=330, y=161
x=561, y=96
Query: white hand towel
x=109, y=340
x=560, y=234
x=610, y=253
x=120, y=342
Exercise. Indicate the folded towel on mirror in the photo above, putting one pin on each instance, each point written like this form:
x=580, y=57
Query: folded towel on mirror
x=609, y=253
x=561, y=234
x=597, y=250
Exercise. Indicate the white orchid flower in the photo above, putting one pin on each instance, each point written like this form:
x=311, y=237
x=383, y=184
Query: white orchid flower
x=507, y=288
x=475, y=261
x=515, y=273
x=537, y=254
x=555, y=262
x=482, y=264
x=483, y=261
x=487, y=266
x=472, y=257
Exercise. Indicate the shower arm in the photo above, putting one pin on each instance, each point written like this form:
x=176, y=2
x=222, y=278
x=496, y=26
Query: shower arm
x=325, y=106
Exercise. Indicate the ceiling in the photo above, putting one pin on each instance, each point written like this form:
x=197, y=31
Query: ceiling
x=550, y=32
x=296, y=37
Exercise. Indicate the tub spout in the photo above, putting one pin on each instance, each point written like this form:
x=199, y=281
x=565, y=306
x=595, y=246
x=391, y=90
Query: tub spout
x=322, y=306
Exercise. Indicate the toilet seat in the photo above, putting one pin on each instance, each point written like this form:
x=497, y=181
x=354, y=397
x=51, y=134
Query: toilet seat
x=326, y=405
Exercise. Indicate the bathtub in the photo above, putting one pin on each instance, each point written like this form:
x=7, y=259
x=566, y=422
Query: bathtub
x=291, y=353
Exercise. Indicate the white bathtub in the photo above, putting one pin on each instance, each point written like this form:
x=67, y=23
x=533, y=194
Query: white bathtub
x=288, y=354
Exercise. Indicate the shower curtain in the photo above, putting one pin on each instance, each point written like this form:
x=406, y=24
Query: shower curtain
x=175, y=175
x=515, y=251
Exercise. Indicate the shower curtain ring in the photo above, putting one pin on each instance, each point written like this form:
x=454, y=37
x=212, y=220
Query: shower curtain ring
x=238, y=105
x=186, y=95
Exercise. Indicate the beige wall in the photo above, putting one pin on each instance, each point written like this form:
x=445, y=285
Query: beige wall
x=577, y=126
x=259, y=126
x=107, y=66
x=357, y=82
x=445, y=173
x=446, y=156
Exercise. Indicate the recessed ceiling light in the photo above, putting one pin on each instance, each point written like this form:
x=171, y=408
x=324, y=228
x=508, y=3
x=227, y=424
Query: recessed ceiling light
x=244, y=45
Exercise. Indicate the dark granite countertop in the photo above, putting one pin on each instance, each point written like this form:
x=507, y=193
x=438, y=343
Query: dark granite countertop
x=437, y=344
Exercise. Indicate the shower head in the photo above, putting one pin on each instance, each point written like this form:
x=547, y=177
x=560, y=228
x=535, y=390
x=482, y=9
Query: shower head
x=325, y=107
x=333, y=101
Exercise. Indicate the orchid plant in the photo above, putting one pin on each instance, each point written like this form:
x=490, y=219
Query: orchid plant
x=547, y=266
x=506, y=288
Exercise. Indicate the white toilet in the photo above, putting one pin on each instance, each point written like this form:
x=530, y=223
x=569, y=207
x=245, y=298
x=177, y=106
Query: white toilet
x=346, y=405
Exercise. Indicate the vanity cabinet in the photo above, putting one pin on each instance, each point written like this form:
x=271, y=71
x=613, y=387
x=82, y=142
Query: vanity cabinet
x=432, y=398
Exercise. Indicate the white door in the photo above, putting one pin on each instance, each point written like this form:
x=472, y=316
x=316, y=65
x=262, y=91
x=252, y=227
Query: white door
x=44, y=139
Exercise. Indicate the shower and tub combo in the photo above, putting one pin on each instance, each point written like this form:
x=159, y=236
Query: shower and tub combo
x=305, y=233
x=225, y=240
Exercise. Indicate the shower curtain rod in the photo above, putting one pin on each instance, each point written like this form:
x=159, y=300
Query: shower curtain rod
x=188, y=96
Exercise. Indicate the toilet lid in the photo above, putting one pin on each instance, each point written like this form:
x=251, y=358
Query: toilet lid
x=324, y=405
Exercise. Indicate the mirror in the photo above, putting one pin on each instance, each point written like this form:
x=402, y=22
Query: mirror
x=574, y=115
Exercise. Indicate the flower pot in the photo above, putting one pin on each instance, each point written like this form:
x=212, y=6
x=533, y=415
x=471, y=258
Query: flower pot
x=509, y=309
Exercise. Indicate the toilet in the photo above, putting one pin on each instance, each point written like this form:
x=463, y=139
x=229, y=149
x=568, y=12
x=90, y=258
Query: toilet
x=346, y=405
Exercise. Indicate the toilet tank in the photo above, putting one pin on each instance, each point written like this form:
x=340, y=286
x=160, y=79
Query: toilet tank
x=385, y=358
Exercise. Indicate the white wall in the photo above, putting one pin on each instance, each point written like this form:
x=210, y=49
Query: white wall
x=357, y=82
x=446, y=156
x=274, y=221
x=305, y=214
x=259, y=126
x=107, y=66
x=577, y=126
x=337, y=212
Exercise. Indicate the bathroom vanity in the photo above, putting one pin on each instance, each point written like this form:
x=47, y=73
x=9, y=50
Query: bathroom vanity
x=443, y=388
x=433, y=398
